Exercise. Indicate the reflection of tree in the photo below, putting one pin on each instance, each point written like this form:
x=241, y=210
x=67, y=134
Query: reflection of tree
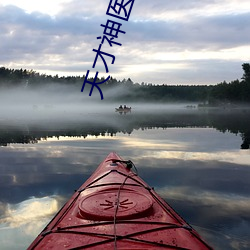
x=222, y=120
x=246, y=141
x=236, y=122
x=16, y=137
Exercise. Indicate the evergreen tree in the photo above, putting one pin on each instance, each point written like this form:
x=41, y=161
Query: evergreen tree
x=246, y=69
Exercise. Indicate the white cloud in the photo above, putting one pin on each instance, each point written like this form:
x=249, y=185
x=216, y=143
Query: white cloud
x=45, y=6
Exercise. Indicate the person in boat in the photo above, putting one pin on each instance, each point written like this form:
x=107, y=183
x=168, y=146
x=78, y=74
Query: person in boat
x=120, y=107
x=125, y=106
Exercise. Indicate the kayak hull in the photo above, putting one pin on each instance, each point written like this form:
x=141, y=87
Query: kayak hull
x=116, y=209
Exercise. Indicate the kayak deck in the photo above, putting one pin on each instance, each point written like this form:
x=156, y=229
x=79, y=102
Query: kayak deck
x=116, y=209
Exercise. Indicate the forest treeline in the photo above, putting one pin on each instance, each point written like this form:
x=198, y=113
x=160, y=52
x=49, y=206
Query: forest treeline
x=236, y=91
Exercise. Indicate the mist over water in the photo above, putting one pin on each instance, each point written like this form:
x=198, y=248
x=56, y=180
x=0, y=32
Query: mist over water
x=48, y=102
x=60, y=102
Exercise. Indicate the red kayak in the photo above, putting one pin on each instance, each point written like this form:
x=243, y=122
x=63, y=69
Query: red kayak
x=116, y=209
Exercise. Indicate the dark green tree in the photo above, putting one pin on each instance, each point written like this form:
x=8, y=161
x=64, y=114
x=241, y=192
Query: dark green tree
x=246, y=75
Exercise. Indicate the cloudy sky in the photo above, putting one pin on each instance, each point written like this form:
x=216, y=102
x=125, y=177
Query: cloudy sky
x=170, y=42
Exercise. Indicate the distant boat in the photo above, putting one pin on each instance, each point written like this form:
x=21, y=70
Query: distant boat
x=125, y=110
x=190, y=106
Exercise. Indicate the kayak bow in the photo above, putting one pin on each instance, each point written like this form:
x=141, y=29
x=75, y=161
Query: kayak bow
x=116, y=209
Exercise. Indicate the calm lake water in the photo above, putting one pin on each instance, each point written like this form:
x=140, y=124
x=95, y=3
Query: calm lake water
x=197, y=160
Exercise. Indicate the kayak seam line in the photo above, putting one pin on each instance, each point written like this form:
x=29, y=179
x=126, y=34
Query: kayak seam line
x=62, y=230
x=128, y=237
x=99, y=178
x=114, y=170
x=120, y=222
x=110, y=184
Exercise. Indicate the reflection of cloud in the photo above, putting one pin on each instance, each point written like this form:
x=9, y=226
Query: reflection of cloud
x=2, y=209
x=223, y=156
x=147, y=144
x=229, y=203
x=29, y=213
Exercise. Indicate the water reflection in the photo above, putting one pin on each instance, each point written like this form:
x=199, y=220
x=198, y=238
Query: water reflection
x=195, y=166
x=110, y=123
